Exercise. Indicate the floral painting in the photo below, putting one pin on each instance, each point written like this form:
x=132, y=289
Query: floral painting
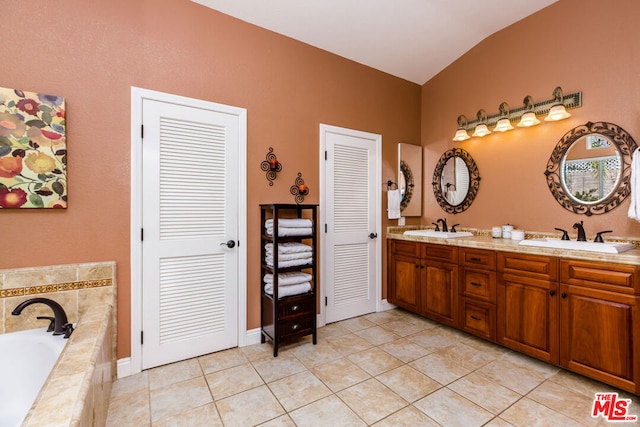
x=33, y=151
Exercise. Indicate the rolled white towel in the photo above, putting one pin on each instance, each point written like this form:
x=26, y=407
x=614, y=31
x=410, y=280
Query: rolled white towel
x=292, y=278
x=290, y=263
x=290, y=231
x=290, y=223
x=288, y=248
x=287, y=291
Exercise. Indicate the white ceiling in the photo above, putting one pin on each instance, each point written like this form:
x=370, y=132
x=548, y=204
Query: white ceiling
x=411, y=39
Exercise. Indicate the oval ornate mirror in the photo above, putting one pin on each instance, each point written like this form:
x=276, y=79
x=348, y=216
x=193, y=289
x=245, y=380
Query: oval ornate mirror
x=589, y=170
x=405, y=185
x=455, y=181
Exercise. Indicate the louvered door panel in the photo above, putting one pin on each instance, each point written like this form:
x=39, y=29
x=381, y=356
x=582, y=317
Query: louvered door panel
x=351, y=274
x=351, y=189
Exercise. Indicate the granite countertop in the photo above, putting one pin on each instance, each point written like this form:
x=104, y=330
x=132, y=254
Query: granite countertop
x=483, y=240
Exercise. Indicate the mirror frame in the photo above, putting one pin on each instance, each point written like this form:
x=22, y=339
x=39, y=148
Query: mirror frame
x=474, y=181
x=405, y=170
x=625, y=145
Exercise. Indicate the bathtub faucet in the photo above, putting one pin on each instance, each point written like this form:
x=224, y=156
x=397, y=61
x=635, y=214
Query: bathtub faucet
x=60, y=324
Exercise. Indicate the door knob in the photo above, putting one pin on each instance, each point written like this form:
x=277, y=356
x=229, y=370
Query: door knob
x=230, y=244
x=373, y=235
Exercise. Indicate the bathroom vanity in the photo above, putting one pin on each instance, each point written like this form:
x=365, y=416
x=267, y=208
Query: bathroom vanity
x=575, y=309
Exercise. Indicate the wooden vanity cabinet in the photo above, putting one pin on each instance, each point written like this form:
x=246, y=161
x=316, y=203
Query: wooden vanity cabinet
x=478, y=292
x=440, y=283
x=404, y=275
x=600, y=323
x=528, y=304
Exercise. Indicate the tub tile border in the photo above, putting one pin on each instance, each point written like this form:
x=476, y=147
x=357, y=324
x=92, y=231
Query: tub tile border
x=59, y=287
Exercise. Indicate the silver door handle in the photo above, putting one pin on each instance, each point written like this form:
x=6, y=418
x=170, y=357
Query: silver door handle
x=230, y=244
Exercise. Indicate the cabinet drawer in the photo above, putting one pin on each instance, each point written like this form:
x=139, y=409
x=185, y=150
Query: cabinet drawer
x=477, y=258
x=479, y=318
x=403, y=247
x=296, y=306
x=479, y=284
x=620, y=278
x=444, y=253
x=299, y=326
x=534, y=266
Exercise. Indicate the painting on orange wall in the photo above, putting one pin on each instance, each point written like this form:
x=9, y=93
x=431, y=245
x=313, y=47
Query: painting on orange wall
x=33, y=150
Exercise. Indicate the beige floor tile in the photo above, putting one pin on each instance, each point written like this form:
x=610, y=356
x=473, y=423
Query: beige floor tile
x=580, y=384
x=330, y=411
x=431, y=339
x=275, y=368
x=130, y=384
x=174, y=373
x=179, y=397
x=545, y=369
x=222, y=360
x=257, y=351
x=249, y=408
x=340, y=374
x=485, y=393
x=206, y=415
x=408, y=383
x=515, y=377
x=403, y=327
x=371, y=400
x=332, y=330
x=377, y=335
x=485, y=346
x=356, y=324
x=452, y=410
x=527, y=413
x=233, y=381
x=407, y=417
x=348, y=344
x=312, y=355
x=404, y=350
x=298, y=390
x=283, y=421
x=440, y=367
x=498, y=422
x=382, y=317
x=129, y=409
x=565, y=401
x=375, y=361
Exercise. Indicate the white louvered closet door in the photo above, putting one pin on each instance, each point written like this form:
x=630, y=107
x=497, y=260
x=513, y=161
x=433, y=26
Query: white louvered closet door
x=189, y=212
x=351, y=216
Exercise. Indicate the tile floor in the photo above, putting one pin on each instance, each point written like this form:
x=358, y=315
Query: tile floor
x=384, y=369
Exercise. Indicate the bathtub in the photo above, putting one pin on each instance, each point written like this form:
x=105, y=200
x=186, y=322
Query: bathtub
x=26, y=359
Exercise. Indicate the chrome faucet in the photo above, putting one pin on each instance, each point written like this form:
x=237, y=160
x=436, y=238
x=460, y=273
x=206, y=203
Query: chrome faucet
x=60, y=323
x=444, y=224
x=581, y=236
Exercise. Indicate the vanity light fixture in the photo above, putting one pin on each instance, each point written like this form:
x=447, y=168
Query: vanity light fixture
x=558, y=111
x=504, y=124
x=526, y=116
x=481, y=128
x=461, y=133
x=529, y=118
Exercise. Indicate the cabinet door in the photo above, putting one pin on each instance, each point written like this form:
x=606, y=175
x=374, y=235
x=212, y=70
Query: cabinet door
x=599, y=335
x=404, y=282
x=527, y=316
x=440, y=291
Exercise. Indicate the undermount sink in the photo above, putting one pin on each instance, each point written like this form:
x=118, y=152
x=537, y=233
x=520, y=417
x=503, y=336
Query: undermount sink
x=606, y=247
x=440, y=234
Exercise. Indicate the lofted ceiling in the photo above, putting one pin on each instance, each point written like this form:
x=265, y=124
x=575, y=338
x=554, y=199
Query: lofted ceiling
x=410, y=39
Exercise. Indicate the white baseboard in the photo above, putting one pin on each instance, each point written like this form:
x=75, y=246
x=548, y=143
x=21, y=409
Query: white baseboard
x=386, y=305
x=124, y=367
x=252, y=337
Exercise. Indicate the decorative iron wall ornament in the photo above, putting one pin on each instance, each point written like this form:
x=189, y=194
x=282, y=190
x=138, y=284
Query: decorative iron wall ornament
x=299, y=189
x=408, y=184
x=555, y=171
x=271, y=166
x=474, y=180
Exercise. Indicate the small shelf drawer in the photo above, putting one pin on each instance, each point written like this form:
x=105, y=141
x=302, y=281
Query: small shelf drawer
x=617, y=278
x=535, y=266
x=478, y=258
x=302, y=326
x=479, y=318
x=479, y=284
x=296, y=306
x=440, y=252
x=403, y=247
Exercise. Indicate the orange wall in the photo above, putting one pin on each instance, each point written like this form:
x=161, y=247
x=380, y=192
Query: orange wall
x=92, y=52
x=581, y=45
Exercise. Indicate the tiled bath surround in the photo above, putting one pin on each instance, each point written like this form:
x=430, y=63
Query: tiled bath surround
x=78, y=389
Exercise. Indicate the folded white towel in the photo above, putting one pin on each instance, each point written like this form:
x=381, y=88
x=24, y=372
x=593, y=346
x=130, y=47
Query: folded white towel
x=293, y=231
x=289, y=257
x=290, y=223
x=634, y=181
x=288, y=248
x=393, y=204
x=287, y=291
x=292, y=278
x=290, y=263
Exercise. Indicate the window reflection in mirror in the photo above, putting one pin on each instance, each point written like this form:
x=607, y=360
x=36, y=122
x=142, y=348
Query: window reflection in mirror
x=455, y=181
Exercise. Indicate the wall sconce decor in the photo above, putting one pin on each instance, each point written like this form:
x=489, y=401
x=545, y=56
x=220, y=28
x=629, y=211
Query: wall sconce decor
x=299, y=189
x=554, y=109
x=271, y=166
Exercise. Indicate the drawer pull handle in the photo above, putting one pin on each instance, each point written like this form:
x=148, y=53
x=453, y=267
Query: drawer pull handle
x=475, y=318
x=564, y=295
x=475, y=259
x=552, y=293
x=476, y=284
x=295, y=327
x=295, y=308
